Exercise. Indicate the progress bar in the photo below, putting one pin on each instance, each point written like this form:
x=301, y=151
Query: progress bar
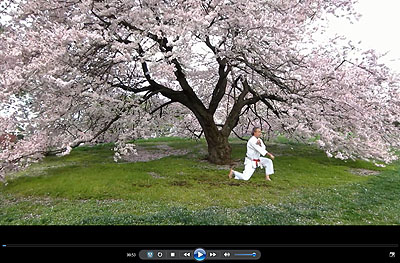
x=200, y=245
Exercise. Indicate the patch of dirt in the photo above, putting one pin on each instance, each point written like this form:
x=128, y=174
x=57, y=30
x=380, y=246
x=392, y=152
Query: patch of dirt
x=265, y=184
x=222, y=167
x=364, y=172
x=200, y=152
x=211, y=183
x=234, y=164
x=155, y=152
x=179, y=183
x=142, y=185
x=156, y=175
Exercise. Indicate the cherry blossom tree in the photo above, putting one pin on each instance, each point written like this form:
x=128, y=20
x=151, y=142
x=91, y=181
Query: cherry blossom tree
x=114, y=70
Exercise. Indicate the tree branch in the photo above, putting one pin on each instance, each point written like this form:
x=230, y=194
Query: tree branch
x=257, y=97
x=127, y=88
x=194, y=132
x=161, y=106
x=266, y=73
x=233, y=117
x=241, y=138
x=220, y=87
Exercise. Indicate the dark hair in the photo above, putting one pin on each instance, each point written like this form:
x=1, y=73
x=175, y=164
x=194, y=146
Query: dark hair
x=254, y=130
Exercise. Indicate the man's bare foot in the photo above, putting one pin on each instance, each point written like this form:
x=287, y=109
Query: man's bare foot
x=267, y=178
x=230, y=173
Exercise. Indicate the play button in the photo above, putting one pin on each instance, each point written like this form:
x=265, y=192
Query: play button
x=199, y=254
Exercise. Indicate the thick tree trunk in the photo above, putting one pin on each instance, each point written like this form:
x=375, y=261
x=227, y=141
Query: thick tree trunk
x=219, y=150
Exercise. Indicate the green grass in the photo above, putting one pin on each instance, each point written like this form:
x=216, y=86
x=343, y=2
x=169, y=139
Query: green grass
x=87, y=187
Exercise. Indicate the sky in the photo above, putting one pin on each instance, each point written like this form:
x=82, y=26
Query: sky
x=376, y=29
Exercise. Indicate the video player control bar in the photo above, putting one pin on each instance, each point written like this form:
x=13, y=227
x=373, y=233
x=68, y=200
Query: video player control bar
x=199, y=254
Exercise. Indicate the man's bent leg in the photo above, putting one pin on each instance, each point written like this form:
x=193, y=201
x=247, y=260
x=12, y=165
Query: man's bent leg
x=268, y=165
x=247, y=173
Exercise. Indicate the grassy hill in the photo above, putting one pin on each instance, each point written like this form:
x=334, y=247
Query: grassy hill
x=88, y=187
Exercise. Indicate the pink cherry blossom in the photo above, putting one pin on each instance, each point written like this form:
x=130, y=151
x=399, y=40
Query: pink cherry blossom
x=87, y=72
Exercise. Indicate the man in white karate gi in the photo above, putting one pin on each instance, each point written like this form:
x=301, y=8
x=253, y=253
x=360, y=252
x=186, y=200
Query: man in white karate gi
x=255, y=148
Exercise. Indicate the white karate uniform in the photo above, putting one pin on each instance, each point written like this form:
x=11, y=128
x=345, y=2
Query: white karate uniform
x=253, y=152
